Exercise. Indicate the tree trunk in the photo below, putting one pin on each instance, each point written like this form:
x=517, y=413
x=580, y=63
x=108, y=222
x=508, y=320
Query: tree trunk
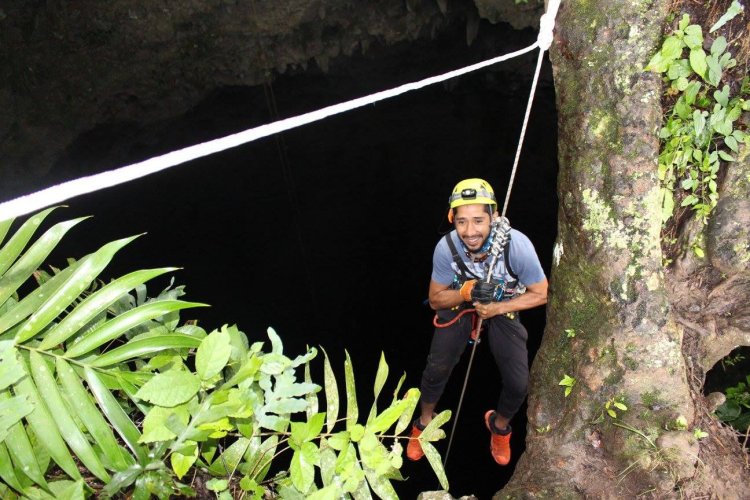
x=625, y=326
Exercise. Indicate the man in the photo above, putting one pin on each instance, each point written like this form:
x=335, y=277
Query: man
x=459, y=269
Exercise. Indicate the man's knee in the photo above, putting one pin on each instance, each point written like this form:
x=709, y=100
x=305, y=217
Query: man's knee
x=438, y=369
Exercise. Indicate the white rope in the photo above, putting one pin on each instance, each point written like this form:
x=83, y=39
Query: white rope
x=544, y=41
x=66, y=190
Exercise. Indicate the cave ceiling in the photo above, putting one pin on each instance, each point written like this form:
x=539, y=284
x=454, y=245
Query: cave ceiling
x=71, y=66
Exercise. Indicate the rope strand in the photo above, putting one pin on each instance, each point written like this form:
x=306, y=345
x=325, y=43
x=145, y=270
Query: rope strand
x=58, y=193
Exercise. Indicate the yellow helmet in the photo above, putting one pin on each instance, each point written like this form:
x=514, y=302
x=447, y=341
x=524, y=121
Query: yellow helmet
x=472, y=191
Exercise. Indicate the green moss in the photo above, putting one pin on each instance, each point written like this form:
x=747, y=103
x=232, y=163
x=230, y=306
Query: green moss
x=630, y=363
x=615, y=376
x=652, y=399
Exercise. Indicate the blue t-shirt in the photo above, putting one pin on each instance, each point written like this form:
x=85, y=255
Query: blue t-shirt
x=523, y=261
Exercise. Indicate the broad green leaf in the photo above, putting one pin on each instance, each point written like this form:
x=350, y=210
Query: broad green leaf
x=12, y=410
x=258, y=457
x=437, y=466
x=339, y=441
x=730, y=141
x=352, y=411
x=68, y=490
x=154, y=423
x=690, y=199
x=374, y=454
x=327, y=462
x=381, y=485
x=330, y=492
x=311, y=396
x=387, y=418
x=693, y=37
x=691, y=92
x=32, y=301
x=679, y=69
x=699, y=121
x=698, y=62
x=44, y=426
x=285, y=406
x=226, y=463
x=302, y=467
x=94, y=304
x=115, y=413
x=684, y=22
x=726, y=156
x=182, y=463
x=380, y=378
x=127, y=320
x=303, y=432
x=358, y=430
x=398, y=386
x=170, y=388
x=10, y=369
x=212, y=354
x=68, y=292
x=332, y=394
x=412, y=398
x=90, y=415
x=4, y=226
x=22, y=455
x=670, y=50
x=432, y=431
x=734, y=10
x=357, y=479
x=7, y=473
x=72, y=435
x=681, y=83
x=144, y=346
x=15, y=245
x=33, y=258
x=277, y=346
x=719, y=45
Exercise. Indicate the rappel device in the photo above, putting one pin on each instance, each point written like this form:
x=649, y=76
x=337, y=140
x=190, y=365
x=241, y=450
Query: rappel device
x=498, y=238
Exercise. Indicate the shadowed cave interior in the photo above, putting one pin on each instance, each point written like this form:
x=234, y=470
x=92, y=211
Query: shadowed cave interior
x=326, y=233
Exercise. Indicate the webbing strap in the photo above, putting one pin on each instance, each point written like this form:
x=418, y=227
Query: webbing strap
x=465, y=273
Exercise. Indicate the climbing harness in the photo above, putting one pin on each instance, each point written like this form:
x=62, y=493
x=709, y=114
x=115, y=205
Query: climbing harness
x=544, y=41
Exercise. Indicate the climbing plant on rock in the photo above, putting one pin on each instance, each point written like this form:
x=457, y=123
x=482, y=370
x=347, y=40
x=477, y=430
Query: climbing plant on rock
x=699, y=131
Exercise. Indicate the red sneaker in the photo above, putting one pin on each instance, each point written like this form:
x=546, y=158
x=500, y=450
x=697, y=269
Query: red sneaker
x=414, y=449
x=499, y=443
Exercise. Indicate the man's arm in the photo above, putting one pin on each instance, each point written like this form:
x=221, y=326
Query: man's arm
x=536, y=295
x=443, y=297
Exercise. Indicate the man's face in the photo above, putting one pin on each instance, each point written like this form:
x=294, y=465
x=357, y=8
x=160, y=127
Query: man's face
x=472, y=225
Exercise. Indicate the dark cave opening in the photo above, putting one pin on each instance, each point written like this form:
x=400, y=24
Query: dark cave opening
x=326, y=233
x=729, y=379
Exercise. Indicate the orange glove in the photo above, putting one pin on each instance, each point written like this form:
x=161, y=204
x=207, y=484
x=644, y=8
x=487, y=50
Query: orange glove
x=466, y=289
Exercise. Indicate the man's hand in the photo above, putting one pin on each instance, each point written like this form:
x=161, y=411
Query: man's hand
x=483, y=292
x=466, y=289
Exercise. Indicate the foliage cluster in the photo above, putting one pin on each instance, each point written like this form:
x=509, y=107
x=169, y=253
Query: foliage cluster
x=103, y=390
x=699, y=131
x=736, y=409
